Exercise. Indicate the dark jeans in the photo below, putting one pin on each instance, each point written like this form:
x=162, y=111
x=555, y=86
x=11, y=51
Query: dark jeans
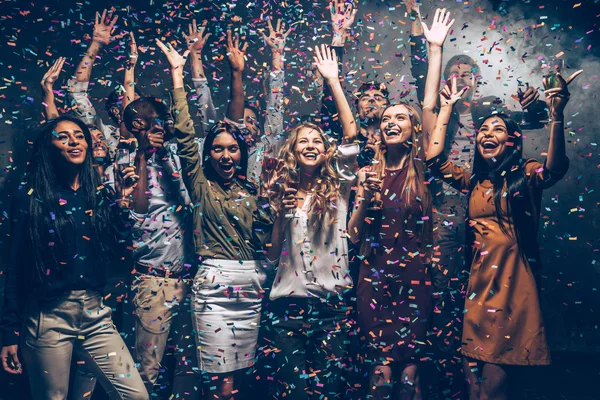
x=309, y=345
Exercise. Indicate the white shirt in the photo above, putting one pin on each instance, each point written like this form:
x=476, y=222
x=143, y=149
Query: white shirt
x=159, y=236
x=314, y=258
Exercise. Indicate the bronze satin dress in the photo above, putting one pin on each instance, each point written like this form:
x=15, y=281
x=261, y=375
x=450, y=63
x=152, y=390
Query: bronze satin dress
x=502, y=318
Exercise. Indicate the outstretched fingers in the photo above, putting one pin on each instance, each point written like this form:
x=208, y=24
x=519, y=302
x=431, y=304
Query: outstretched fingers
x=573, y=76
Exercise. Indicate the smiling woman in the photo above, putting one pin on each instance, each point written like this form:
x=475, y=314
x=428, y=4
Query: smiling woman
x=394, y=200
x=504, y=193
x=70, y=143
x=64, y=248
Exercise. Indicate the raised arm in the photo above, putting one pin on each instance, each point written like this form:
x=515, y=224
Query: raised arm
x=556, y=99
x=196, y=40
x=103, y=35
x=436, y=35
x=275, y=80
x=449, y=96
x=78, y=85
x=192, y=173
x=326, y=62
x=412, y=9
x=235, y=55
x=129, y=80
x=47, y=83
x=342, y=17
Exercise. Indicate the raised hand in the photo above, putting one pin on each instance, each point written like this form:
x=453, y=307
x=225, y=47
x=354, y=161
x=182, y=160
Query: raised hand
x=528, y=97
x=411, y=6
x=277, y=36
x=342, y=15
x=557, y=91
x=326, y=62
x=436, y=35
x=176, y=60
x=133, y=52
x=450, y=94
x=235, y=54
x=52, y=74
x=103, y=32
x=196, y=38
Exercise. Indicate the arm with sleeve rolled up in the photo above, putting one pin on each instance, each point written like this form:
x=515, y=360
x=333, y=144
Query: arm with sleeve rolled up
x=78, y=85
x=274, y=82
x=342, y=17
x=129, y=79
x=193, y=175
x=274, y=112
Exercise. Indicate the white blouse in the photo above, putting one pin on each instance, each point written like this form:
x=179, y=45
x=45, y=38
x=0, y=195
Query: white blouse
x=314, y=258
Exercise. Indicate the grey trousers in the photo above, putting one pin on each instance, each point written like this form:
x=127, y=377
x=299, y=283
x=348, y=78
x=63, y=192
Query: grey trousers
x=77, y=324
x=162, y=311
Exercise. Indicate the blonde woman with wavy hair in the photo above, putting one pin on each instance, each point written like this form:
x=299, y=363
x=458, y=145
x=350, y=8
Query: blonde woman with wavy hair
x=396, y=245
x=309, y=247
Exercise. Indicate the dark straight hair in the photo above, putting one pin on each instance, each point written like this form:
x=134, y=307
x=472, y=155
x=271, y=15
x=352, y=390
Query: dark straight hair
x=519, y=201
x=48, y=220
x=224, y=127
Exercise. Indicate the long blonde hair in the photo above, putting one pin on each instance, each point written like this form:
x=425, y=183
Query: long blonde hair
x=413, y=187
x=327, y=187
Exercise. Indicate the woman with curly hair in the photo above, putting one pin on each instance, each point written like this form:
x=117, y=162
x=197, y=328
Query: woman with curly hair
x=309, y=246
x=395, y=246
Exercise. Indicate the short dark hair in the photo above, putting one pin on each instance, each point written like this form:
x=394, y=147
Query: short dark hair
x=371, y=85
x=457, y=60
x=252, y=108
x=144, y=105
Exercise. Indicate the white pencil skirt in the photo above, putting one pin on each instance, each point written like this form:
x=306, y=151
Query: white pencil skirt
x=226, y=307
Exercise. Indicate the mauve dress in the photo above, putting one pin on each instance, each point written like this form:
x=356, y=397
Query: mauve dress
x=394, y=287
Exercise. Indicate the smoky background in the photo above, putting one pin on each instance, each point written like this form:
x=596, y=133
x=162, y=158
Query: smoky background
x=514, y=42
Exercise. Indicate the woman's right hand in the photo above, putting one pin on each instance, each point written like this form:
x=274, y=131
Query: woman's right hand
x=436, y=35
x=52, y=74
x=9, y=355
x=289, y=202
x=370, y=183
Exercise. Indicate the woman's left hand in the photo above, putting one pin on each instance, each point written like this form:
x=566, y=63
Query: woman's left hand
x=558, y=97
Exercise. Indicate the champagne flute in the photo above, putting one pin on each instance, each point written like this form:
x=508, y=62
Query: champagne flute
x=376, y=203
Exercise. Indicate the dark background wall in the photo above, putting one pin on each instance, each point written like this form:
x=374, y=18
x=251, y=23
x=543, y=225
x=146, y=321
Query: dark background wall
x=514, y=41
